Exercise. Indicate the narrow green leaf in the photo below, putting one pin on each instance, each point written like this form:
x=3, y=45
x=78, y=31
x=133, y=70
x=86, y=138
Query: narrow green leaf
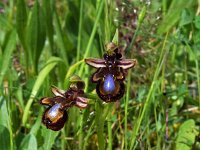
x=48, y=12
x=5, y=138
x=36, y=34
x=37, y=124
x=28, y=143
x=61, y=40
x=5, y=24
x=7, y=54
x=80, y=30
x=49, y=138
x=5, y=121
x=40, y=79
x=21, y=21
x=4, y=118
x=19, y=96
x=100, y=120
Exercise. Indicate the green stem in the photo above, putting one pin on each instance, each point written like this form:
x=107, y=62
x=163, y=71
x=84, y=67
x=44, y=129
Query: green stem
x=110, y=127
x=81, y=132
x=126, y=110
x=99, y=120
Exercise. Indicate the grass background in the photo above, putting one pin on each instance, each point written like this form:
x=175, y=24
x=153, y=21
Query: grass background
x=44, y=42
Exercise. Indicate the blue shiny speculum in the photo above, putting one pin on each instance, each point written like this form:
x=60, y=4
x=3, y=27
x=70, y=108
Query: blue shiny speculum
x=54, y=110
x=109, y=84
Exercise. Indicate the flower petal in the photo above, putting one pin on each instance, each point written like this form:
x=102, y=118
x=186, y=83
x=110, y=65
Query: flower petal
x=96, y=63
x=127, y=63
x=81, y=102
x=57, y=92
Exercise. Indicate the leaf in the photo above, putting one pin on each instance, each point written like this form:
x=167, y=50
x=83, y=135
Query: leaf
x=36, y=126
x=7, y=54
x=62, y=45
x=40, y=79
x=48, y=12
x=186, y=17
x=49, y=138
x=186, y=135
x=5, y=24
x=21, y=21
x=36, y=34
x=19, y=96
x=4, y=117
x=5, y=133
x=28, y=143
x=5, y=138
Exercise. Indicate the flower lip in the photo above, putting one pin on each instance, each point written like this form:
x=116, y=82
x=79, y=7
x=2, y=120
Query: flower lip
x=111, y=96
x=56, y=122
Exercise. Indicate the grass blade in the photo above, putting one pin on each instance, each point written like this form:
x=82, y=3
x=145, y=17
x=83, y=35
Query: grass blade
x=80, y=30
x=21, y=21
x=5, y=137
x=61, y=40
x=36, y=35
x=5, y=121
x=99, y=120
x=49, y=137
x=29, y=142
x=48, y=13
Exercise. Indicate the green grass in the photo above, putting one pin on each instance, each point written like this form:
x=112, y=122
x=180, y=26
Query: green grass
x=45, y=42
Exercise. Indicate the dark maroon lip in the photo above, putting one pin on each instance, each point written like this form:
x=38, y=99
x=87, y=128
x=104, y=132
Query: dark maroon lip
x=56, y=125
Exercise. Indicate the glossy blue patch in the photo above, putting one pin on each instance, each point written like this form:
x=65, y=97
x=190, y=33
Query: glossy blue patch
x=109, y=84
x=54, y=110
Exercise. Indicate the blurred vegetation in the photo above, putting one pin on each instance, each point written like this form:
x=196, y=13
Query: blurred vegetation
x=44, y=42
